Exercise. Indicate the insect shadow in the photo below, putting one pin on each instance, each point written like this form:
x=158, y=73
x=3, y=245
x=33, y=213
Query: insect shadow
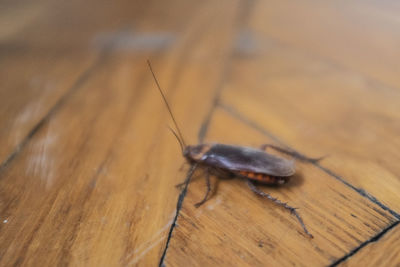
x=255, y=166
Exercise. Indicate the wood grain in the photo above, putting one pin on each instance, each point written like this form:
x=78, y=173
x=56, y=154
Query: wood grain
x=382, y=253
x=359, y=35
x=278, y=84
x=88, y=167
x=253, y=231
x=357, y=142
x=82, y=190
x=44, y=58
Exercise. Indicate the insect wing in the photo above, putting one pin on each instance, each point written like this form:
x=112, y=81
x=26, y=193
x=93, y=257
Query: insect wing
x=238, y=158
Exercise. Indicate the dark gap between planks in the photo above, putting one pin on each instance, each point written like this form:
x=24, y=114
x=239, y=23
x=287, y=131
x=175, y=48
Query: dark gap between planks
x=244, y=12
x=362, y=192
x=82, y=78
x=365, y=243
x=260, y=129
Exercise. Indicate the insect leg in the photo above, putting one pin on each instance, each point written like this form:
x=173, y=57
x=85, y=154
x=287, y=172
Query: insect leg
x=292, y=210
x=189, y=176
x=179, y=186
x=292, y=153
x=207, y=192
x=222, y=174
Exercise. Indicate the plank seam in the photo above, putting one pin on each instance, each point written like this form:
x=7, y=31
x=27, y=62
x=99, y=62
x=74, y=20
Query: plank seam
x=243, y=14
x=178, y=209
x=365, y=243
x=233, y=112
x=201, y=134
x=362, y=192
x=77, y=84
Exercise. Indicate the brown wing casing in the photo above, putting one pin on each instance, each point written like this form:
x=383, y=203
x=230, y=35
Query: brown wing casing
x=239, y=158
x=242, y=161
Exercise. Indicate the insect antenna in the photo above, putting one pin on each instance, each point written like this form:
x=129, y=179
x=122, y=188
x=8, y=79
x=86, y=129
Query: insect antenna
x=179, y=135
x=177, y=138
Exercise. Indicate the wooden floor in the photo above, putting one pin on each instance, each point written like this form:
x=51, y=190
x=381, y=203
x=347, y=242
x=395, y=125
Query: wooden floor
x=88, y=167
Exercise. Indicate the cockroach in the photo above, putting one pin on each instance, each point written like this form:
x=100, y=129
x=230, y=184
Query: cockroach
x=253, y=165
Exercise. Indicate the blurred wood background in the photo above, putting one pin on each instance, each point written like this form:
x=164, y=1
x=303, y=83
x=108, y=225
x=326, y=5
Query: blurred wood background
x=88, y=167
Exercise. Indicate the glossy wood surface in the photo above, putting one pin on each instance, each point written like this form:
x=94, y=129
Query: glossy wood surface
x=88, y=167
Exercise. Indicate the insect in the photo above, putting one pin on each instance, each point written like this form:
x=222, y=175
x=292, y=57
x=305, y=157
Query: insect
x=253, y=165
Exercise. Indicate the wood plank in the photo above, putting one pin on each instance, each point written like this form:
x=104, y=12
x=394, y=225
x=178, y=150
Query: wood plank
x=32, y=83
x=359, y=35
x=385, y=252
x=320, y=109
x=235, y=227
x=42, y=59
x=91, y=167
x=95, y=184
x=44, y=56
x=17, y=15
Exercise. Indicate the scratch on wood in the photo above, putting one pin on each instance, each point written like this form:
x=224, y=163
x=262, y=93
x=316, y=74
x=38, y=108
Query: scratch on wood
x=218, y=201
x=42, y=161
x=83, y=77
x=210, y=206
x=24, y=117
x=145, y=247
x=146, y=250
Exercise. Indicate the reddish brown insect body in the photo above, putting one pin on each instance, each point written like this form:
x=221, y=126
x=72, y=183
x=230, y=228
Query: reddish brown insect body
x=254, y=165
x=245, y=162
